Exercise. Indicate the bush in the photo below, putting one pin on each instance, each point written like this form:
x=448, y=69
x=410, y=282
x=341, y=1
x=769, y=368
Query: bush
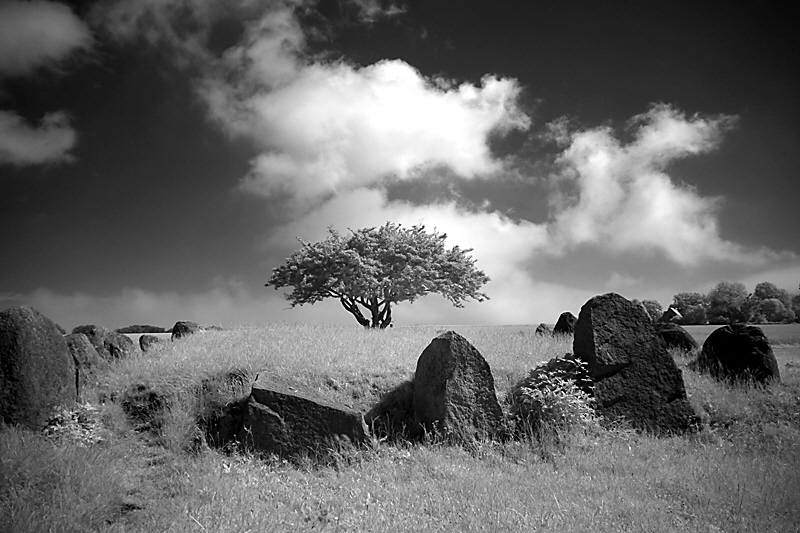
x=555, y=397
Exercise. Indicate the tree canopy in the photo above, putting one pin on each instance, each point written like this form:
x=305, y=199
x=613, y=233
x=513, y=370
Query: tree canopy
x=729, y=302
x=692, y=306
x=374, y=268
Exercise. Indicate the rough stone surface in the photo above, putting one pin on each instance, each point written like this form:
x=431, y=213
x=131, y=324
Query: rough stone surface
x=543, y=329
x=148, y=341
x=109, y=344
x=454, y=391
x=88, y=363
x=635, y=377
x=675, y=336
x=184, y=328
x=288, y=422
x=566, y=324
x=739, y=352
x=393, y=416
x=37, y=373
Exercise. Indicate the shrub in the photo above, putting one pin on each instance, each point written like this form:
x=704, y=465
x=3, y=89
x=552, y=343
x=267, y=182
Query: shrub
x=554, y=398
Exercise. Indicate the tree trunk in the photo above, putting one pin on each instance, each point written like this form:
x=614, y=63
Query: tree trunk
x=381, y=318
x=352, y=307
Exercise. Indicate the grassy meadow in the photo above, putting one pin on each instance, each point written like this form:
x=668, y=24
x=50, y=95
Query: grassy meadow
x=740, y=473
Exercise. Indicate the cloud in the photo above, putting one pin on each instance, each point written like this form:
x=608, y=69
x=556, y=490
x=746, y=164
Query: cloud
x=33, y=35
x=620, y=196
x=324, y=126
x=38, y=33
x=183, y=25
x=373, y=10
x=327, y=127
x=226, y=302
x=22, y=144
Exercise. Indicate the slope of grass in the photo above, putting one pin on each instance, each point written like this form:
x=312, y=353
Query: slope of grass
x=741, y=473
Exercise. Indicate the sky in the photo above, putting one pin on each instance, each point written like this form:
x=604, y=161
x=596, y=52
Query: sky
x=158, y=158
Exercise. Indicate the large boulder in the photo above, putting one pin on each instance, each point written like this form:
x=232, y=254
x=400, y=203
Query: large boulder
x=393, y=416
x=109, y=344
x=184, y=328
x=675, y=336
x=738, y=352
x=566, y=324
x=454, y=392
x=288, y=422
x=148, y=341
x=37, y=373
x=88, y=363
x=635, y=377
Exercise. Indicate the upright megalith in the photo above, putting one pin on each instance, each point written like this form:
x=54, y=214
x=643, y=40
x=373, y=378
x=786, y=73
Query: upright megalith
x=286, y=421
x=738, y=352
x=454, y=391
x=675, y=336
x=635, y=377
x=89, y=366
x=565, y=324
x=37, y=373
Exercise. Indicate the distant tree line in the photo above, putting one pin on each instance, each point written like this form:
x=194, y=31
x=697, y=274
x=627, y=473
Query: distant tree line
x=729, y=302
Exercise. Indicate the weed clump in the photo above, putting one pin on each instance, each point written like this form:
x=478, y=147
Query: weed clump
x=554, y=399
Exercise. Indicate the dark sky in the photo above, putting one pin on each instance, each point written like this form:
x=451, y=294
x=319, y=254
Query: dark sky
x=157, y=159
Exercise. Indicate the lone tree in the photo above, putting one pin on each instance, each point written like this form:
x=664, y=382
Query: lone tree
x=377, y=267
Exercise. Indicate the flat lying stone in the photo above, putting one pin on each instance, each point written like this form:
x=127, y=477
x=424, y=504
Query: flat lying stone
x=289, y=422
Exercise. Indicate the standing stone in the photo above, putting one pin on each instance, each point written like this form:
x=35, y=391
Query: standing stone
x=543, y=330
x=635, y=377
x=184, y=328
x=454, y=391
x=675, y=336
x=109, y=344
x=566, y=324
x=88, y=363
x=739, y=352
x=288, y=422
x=37, y=374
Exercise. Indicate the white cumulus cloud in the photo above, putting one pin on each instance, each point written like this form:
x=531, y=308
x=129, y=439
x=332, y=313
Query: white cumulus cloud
x=24, y=144
x=327, y=127
x=620, y=196
x=37, y=33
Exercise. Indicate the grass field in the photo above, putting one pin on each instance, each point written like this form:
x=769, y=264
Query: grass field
x=740, y=473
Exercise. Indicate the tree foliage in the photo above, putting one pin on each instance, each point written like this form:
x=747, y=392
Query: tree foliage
x=774, y=310
x=766, y=290
x=771, y=304
x=692, y=306
x=728, y=303
x=374, y=268
x=654, y=309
